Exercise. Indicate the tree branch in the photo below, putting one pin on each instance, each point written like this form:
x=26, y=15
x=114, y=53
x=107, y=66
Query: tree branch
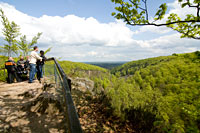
x=138, y=6
x=144, y=9
x=147, y=16
x=127, y=21
x=140, y=21
x=191, y=5
x=198, y=10
x=165, y=24
x=195, y=6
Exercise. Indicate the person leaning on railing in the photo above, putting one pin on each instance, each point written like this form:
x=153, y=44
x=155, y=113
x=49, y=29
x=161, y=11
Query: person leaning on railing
x=33, y=59
x=40, y=65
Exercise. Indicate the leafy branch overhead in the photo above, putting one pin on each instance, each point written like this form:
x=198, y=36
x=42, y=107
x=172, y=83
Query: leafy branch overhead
x=135, y=12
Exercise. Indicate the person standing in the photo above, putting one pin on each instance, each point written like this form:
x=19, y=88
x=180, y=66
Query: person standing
x=10, y=65
x=33, y=59
x=40, y=65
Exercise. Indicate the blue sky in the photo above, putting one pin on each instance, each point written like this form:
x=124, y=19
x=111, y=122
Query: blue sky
x=84, y=30
x=99, y=9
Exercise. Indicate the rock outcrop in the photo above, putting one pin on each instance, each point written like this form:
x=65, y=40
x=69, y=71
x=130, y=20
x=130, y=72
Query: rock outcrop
x=83, y=84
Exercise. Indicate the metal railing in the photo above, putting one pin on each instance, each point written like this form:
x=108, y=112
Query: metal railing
x=62, y=81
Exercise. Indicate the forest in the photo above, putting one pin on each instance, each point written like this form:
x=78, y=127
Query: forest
x=159, y=94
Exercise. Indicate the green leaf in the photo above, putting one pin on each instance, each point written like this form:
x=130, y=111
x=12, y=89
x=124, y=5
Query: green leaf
x=113, y=14
x=184, y=4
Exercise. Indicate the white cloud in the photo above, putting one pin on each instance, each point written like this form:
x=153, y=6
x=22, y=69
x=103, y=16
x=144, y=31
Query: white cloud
x=176, y=8
x=86, y=39
x=153, y=29
x=92, y=53
x=71, y=29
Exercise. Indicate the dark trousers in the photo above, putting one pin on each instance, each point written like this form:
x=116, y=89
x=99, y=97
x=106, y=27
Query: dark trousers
x=12, y=76
x=39, y=71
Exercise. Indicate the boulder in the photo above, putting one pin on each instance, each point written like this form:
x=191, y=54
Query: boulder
x=82, y=84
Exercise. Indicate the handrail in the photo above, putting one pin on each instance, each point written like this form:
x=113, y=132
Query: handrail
x=72, y=117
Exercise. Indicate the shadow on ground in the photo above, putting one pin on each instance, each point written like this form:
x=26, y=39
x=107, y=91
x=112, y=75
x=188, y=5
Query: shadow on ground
x=30, y=110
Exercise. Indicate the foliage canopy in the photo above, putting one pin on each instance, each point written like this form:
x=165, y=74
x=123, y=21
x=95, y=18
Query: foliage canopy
x=135, y=12
x=163, y=92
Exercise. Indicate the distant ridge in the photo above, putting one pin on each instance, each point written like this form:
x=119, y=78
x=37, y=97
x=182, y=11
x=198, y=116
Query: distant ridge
x=107, y=65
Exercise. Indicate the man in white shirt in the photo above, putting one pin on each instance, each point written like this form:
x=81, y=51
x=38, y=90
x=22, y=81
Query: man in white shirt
x=33, y=59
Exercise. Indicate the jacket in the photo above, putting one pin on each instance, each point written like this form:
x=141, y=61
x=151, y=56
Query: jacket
x=20, y=62
x=34, y=57
x=10, y=66
x=43, y=60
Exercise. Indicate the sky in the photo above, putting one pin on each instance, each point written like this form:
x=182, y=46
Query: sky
x=85, y=31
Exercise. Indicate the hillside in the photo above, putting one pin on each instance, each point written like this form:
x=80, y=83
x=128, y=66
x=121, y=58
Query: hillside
x=160, y=94
x=131, y=67
x=75, y=68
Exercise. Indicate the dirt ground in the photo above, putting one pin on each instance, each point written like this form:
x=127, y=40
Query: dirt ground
x=38, y=108
x=30, y=108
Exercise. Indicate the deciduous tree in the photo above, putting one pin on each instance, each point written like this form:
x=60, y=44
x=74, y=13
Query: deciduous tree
x=11, y=32
x=24, y=46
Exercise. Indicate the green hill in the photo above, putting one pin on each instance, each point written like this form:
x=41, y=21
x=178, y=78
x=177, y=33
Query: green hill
x=161, y=94
x=131, y=67
x=76, y=69
x=71, y=67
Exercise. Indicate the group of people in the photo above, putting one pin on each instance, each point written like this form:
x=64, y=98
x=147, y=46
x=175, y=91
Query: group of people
x=32, y=65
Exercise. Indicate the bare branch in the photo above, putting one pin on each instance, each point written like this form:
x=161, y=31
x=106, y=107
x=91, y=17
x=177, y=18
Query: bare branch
x=165, y=24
